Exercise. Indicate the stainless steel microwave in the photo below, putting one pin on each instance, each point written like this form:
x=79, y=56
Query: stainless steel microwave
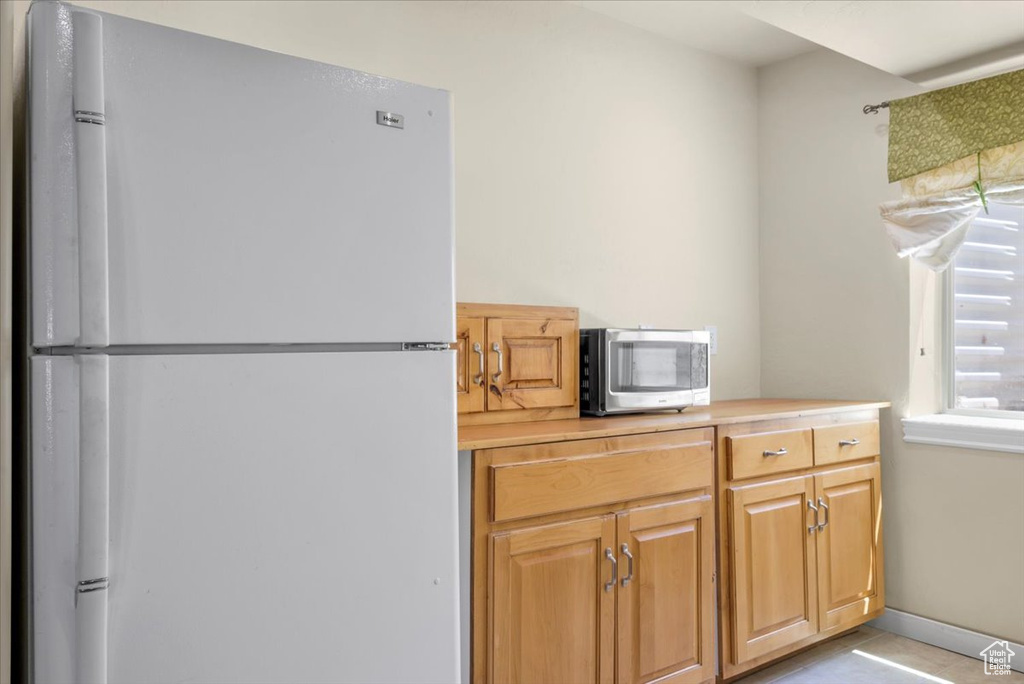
x=631, y=371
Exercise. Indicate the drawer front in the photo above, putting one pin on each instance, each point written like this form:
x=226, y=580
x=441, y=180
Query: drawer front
x=765, y=453
x=845, y=442
x=522, y=490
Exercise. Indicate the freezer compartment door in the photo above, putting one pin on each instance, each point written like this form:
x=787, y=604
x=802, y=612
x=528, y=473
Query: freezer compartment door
x=226, y=194
x=272, y=517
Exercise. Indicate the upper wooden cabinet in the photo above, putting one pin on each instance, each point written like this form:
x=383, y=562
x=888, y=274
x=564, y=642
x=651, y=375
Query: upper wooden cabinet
x=530, y=359
x=471, y=377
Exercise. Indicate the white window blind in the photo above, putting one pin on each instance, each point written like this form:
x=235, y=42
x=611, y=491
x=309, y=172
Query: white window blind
x=987, y=314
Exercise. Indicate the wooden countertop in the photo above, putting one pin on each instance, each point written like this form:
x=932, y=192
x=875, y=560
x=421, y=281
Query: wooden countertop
x=718, y=413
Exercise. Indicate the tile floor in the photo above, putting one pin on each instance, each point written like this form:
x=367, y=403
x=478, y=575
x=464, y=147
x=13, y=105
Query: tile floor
x=847, y=660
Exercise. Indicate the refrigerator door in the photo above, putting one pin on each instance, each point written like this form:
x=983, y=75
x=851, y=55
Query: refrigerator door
x=188, y=190
x=272, y=518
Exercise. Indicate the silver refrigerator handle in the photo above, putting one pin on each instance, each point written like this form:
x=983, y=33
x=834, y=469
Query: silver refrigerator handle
x=91, y=168
x=93, y=519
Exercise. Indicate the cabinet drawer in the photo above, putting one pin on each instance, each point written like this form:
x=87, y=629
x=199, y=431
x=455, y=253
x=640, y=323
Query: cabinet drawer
x=630, y=470
x=765, y=453
x=845, y=442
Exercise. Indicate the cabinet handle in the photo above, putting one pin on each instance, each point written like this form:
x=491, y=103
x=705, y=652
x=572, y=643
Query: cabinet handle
x=495, y=347
x=479, y=351
x=781, y=452
x=814, y=508
x=849, y=442
x=610, y=584
x=824, y=507
x=629, y=566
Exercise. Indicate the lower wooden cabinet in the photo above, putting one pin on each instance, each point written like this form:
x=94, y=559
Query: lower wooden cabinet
x=553, y=617
x=849, y=539
x=774, y=562
x=800, y=551
x=598, y=559
x=597, y=563
x=665, y=600
x=569, y=600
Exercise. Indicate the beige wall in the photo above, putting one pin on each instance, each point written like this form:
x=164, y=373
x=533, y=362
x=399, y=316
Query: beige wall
x=839, y=319
x=597, y=166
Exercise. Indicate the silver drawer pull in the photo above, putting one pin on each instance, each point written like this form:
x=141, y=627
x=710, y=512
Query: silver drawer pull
x=496, y=348
x=811, y=528
x=478, y=379
x=610, y=584
x=849, y=442
x=824, y=507
x=781, y=452
x=629, y=556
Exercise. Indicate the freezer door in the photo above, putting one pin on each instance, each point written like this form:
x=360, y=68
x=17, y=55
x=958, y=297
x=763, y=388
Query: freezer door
x=272, y=518
x=226, y=194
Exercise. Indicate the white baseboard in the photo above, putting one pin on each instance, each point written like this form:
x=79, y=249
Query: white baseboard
x=956, y=639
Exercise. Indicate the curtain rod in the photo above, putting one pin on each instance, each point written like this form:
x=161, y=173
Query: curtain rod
x=873, y=109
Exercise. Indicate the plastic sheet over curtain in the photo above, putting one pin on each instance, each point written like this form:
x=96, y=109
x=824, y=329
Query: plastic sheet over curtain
x=930, y=222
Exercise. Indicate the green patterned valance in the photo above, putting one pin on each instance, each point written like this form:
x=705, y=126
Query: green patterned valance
x=931, y=130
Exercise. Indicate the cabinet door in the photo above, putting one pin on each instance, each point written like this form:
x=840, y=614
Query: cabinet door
x=850, y=577
x=774, y=582
x=534, y=365
x=665, y=609
x=553, y=604
x=471, y=376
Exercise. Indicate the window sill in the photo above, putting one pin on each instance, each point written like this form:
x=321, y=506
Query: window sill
x=966, y=432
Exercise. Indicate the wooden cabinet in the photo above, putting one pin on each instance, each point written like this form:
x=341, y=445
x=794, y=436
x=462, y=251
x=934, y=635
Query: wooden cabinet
x=847, y=442
x=530, y=360
x=571, y=599
x=801, y=543
x=769, y=452
x=850, y=577
x=536, y=363
x=553, y=616
x=600, y=545
x=471, y=371
x=598, y=561
x=665, y=598
x=774, y=565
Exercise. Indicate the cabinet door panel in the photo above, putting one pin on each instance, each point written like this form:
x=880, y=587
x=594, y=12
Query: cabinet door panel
x=538, y=363
x=470, y=376
x=774, y=566
x=665, y=610
x=553, y=620
x=850, y=545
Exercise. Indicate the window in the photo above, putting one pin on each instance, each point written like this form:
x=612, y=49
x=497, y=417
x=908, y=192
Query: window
x=985, y=317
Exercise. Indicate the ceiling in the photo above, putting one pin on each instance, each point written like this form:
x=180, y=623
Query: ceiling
x=714, y=27
x=926, y=41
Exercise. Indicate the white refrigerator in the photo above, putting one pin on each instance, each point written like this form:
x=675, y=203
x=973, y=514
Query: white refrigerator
x=243, y=454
